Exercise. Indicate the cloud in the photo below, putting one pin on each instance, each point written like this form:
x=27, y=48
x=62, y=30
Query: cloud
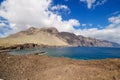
x=98, y=3
x=89, y=3
x=111, y=32
x=4, y=27
x=60, y=9
x=84, y=25
x=104, y=34
x=22, y=14
x=90, y=25
x=93, y=3
x=115, y=22
x=87, y=25
x=116, y=13
x=2, y=24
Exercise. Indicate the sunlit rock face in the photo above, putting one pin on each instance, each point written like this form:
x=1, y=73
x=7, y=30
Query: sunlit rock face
x=52, y=37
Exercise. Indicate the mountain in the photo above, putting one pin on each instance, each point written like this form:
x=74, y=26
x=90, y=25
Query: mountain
x=34, y=35
x=52, y=37
x=79, y=40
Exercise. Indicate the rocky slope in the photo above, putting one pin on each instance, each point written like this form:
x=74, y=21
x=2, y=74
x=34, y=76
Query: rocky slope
x=33, y=35
x=52, y=37
x=42, y=67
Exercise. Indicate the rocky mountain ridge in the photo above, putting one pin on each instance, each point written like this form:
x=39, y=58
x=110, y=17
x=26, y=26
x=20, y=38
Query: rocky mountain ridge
x=52, y=37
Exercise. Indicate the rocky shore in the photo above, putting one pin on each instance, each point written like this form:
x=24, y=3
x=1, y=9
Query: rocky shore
x=24, y=46
x=42, y=67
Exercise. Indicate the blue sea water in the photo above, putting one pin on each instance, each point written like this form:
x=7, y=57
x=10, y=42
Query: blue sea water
x=84, y=53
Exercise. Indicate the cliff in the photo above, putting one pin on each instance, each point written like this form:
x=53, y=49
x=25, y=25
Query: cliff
x=52, y=37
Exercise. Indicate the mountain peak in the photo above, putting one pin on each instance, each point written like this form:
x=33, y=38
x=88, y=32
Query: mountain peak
x=49, y=30
x=32, y=28
x=43, y=36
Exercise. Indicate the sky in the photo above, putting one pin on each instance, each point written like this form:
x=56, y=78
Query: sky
x=91, y=18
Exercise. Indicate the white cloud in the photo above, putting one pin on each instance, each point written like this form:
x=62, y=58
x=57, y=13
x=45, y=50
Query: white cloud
x=57, y=7
x=115, y=19
x=23, y=13
x=4, y=31
x=84, y=25
x=98, y=3
x=100, y=26
x=116, y=13
x=111, y=32
x=87, y=25
x=37, y=13
x=93, y=3
x=90, y=25
x=89, y=3
x=2, y=24
x=60, y=9
x=104, y=34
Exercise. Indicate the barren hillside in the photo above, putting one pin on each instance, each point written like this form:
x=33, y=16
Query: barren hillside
x=52, y=37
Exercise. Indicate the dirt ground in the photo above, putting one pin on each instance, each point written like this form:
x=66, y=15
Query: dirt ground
x=42, y=67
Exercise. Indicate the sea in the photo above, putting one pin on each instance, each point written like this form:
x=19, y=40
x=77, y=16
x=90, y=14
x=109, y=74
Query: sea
x=79, y=53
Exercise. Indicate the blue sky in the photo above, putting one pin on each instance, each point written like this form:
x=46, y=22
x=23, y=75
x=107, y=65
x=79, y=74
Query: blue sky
x=96, y=16
x=92, y=18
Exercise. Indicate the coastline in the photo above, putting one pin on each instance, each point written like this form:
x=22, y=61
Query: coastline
x=43, y=67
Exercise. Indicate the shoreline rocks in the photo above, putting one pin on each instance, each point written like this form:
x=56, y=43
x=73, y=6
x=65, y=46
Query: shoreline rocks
x=22, y=46
x=25, y=46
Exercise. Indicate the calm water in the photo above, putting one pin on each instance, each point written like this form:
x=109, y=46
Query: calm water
x=86, y=53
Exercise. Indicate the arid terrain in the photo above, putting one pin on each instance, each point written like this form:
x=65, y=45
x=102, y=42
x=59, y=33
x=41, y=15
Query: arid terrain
x=59, y=39
x=42, y=67
x=52, y=37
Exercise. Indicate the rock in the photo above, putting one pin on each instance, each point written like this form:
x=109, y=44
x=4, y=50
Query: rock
x=70, y=38
x=1, y=47
x=37, y=53
x=86, y=41
x=75, y=40
x=60, y=38
x=22, y=46
x=49, y=30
